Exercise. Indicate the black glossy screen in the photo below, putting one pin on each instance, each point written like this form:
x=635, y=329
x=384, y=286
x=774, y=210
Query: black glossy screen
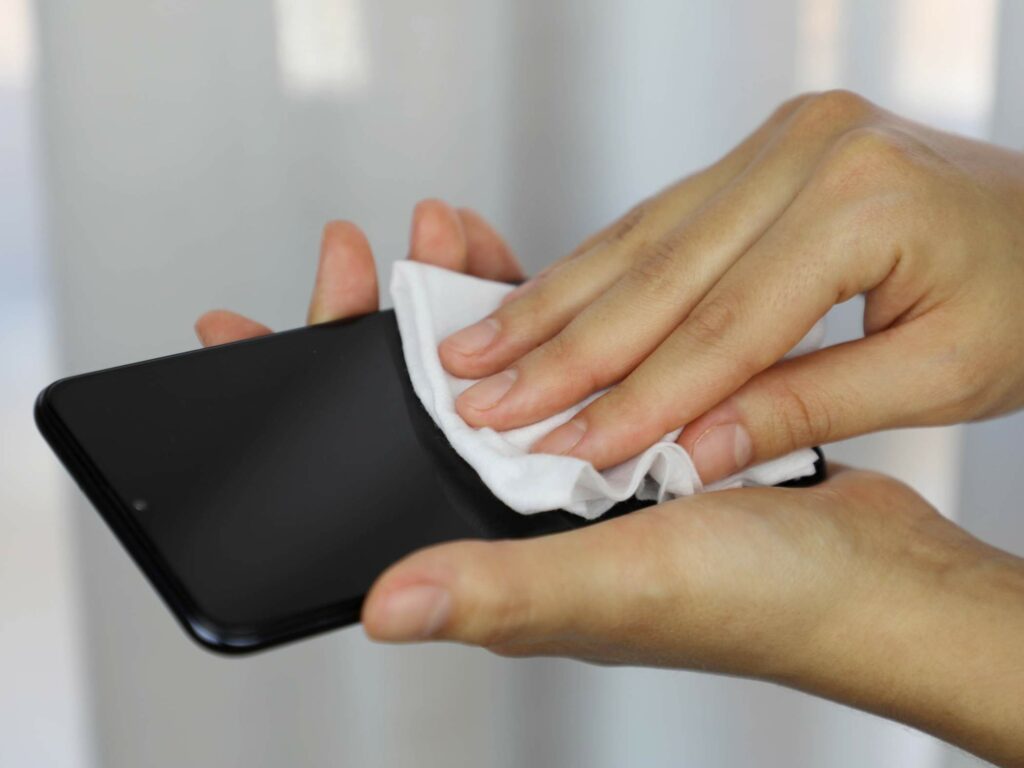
x=273, y=479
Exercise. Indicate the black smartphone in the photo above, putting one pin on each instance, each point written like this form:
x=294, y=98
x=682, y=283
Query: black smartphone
x=263, y=485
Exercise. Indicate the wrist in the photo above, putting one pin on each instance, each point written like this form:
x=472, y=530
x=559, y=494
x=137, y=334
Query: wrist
x=933, y=640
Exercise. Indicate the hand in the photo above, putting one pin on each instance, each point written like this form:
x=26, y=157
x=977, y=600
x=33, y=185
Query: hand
x=856, y=590
x=687, y=303
x=346, y=280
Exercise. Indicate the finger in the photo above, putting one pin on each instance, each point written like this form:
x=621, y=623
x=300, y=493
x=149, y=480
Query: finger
x=546, y=304
x=553, y=301
x=221, y=326
x=880, y=382
x=587, y=583
x=649, y=587
x=438, y=236
x=487, y=254
x=346, y=278
x=616, y=230
x=817, y=254
x=668, y=280
x=693, y=190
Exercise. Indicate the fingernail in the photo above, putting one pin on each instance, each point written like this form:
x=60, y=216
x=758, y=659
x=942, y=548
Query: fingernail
x=562, y=440
x=474, y=338
x=486, y=393
x=414, y=613
x=721, y=451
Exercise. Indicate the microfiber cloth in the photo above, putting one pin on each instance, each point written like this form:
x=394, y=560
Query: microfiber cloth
x=431, y=303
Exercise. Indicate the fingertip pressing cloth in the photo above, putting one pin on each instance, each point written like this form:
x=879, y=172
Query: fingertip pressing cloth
x=431, y=303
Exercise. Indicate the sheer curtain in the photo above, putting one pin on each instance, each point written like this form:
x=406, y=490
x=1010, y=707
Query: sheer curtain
x=190, y=153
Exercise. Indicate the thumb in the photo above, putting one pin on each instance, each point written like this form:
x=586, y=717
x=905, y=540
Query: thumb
x=886, y=380
x=514, y=594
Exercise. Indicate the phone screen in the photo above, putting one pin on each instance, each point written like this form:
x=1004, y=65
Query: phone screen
x=264, y=485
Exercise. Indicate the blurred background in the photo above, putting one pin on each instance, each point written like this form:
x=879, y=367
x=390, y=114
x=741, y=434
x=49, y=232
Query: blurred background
x=161, y=157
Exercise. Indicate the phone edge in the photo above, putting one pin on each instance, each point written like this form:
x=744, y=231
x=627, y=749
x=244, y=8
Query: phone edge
x=202, y=629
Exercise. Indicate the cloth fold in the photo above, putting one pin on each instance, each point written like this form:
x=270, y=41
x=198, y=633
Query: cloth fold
x=431, y=303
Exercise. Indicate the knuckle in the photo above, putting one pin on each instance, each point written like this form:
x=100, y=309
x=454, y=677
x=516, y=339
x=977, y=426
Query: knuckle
x=566, y=356
x=654, y=273
x=615, y=233
x=803, y=419
x=712, y=319
x=629, y=222
x=521, y=317
x=498, y=624
x=867, y=156
x=656, y=260
x=499, y=614
x=840, y=107
x=830, y=111
x=629, y=402
x=869, y=141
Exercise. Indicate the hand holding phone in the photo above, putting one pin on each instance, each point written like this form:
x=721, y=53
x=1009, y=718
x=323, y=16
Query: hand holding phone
x=264, y=485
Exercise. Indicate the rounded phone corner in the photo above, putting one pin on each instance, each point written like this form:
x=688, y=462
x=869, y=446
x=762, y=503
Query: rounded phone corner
x=44, y=402
x=221, y=640
x=227, y=639
x=44, y=411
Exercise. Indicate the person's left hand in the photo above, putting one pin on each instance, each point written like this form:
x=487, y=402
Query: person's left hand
x=346, y=280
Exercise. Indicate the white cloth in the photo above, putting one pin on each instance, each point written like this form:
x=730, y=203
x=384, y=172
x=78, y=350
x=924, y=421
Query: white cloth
x=431, y=303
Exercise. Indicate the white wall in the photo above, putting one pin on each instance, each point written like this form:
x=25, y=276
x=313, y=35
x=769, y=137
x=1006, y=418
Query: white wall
x=192, y=152
x=42, y=699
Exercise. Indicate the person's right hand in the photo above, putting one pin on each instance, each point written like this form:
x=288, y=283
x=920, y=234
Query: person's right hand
x=686, y=305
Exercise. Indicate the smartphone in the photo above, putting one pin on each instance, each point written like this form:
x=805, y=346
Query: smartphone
x=263, y=485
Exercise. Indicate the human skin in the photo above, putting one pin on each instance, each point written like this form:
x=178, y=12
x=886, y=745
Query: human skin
x=686, y=305
x=855, y=590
